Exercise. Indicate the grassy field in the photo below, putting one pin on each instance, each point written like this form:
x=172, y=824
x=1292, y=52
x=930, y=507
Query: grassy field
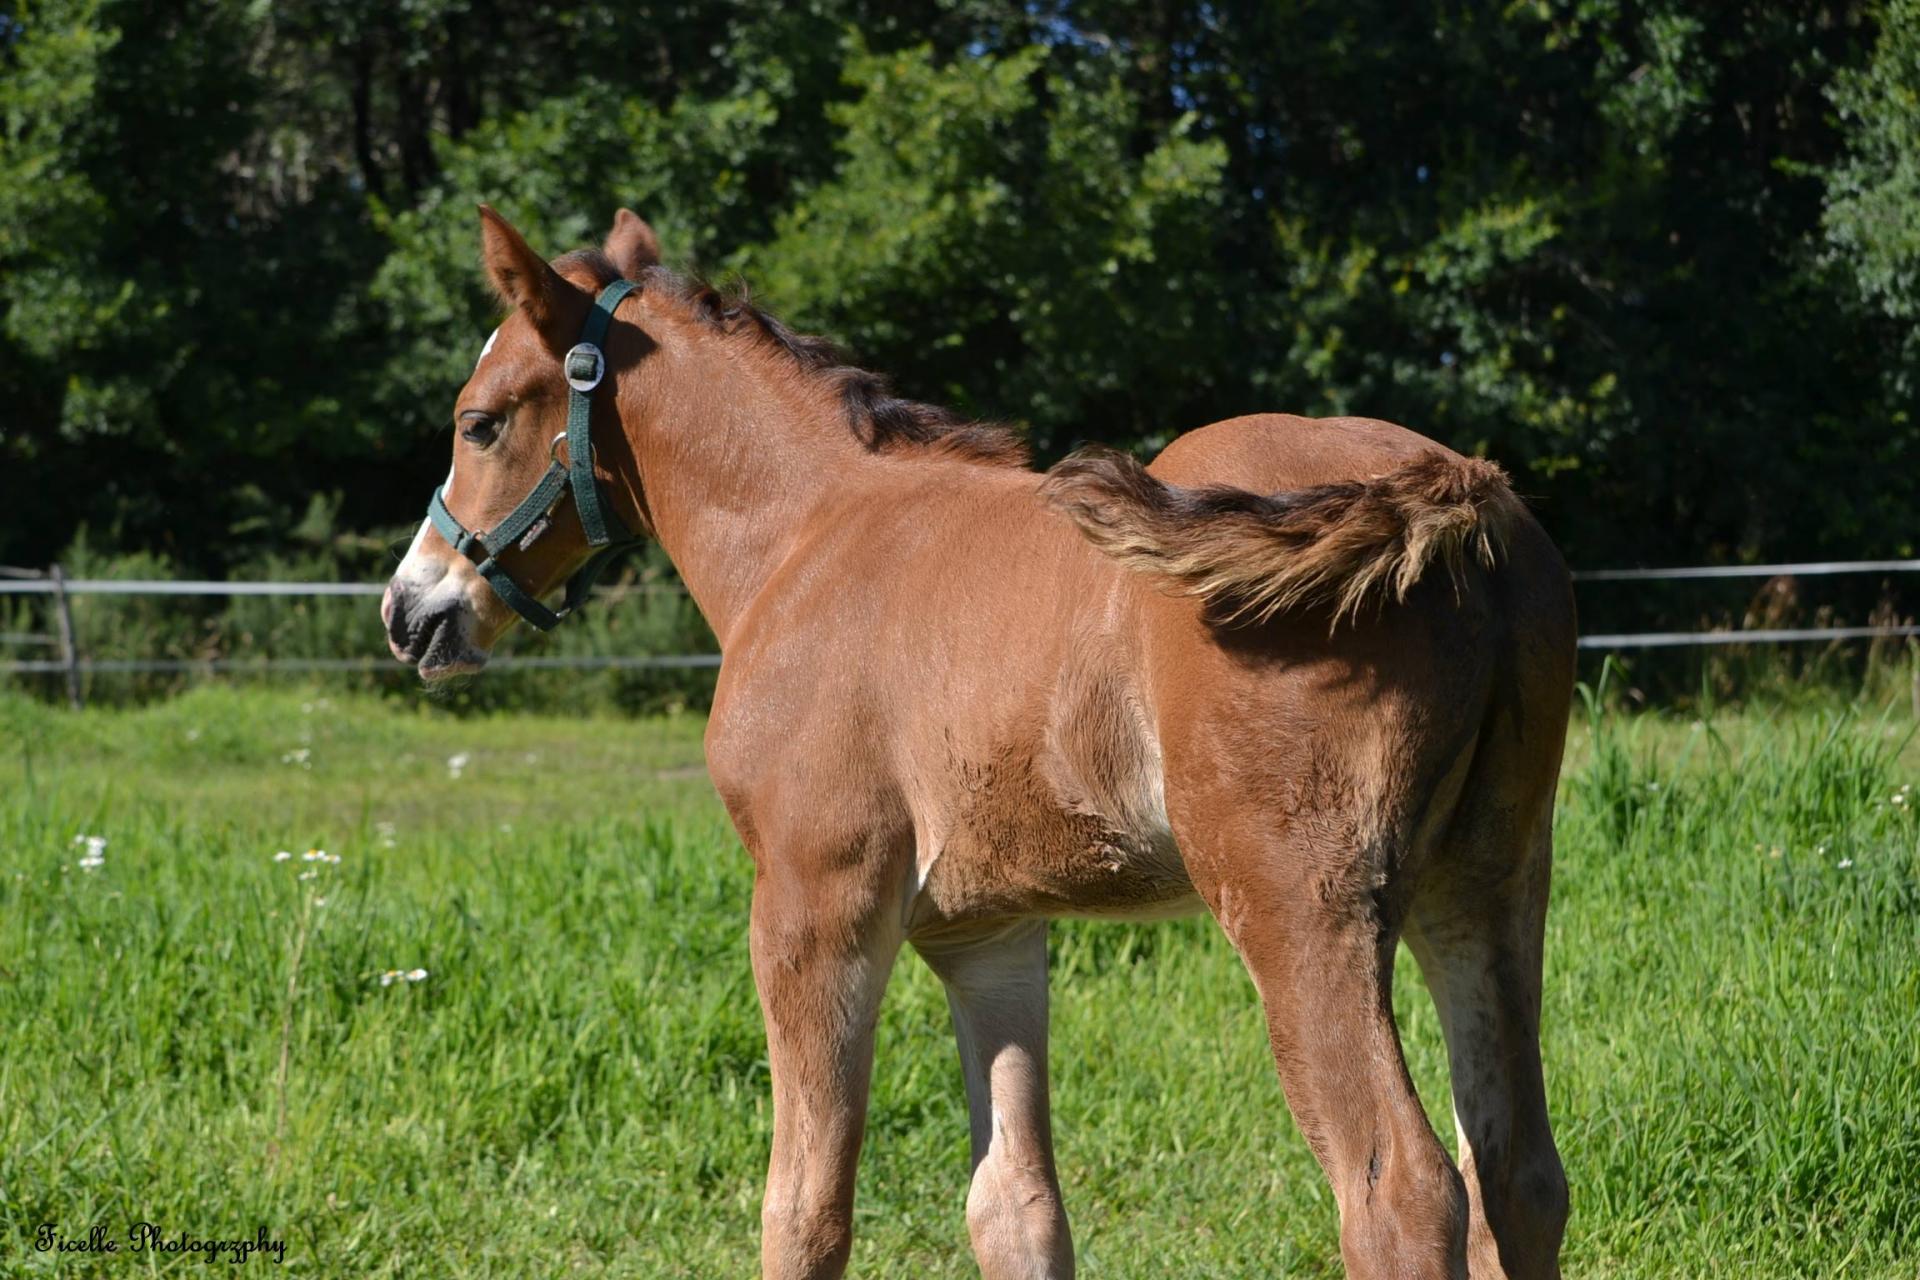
x=199, y=1035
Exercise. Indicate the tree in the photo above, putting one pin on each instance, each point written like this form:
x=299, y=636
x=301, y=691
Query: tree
x=1658, y=258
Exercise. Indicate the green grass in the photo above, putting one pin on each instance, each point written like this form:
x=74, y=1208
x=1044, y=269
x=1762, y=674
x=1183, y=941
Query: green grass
x=580, y=1084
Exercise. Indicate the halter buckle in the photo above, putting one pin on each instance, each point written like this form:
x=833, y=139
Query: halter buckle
x=584, y=366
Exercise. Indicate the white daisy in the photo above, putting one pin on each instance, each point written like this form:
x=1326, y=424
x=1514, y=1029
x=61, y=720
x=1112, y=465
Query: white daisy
x=96, y=849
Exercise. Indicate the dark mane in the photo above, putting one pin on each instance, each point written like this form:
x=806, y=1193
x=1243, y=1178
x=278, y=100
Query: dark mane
x=878, y=419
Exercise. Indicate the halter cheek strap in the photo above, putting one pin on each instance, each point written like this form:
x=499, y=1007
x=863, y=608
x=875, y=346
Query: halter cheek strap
x=585, y=366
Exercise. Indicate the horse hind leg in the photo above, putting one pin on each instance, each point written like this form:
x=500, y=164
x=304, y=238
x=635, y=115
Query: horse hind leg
x=1478, y=942
x=996, y=983
x=1302, y=903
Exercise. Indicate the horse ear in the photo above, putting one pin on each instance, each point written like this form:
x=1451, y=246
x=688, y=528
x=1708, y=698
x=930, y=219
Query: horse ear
x=631, y=245
x=524, y=280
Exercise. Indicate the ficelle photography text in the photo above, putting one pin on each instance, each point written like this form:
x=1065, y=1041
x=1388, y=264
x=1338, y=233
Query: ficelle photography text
x=151, y=1237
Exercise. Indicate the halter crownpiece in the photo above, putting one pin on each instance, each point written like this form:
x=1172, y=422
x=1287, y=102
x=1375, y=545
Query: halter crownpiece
x=585, y=367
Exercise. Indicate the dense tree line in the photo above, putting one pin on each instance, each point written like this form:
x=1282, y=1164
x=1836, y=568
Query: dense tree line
x=1660, y=258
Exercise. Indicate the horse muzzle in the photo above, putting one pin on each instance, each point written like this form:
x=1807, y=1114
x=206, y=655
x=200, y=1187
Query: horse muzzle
x=433, y=636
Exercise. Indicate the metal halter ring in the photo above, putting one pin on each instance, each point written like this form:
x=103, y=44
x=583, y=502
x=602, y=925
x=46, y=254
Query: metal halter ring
x=587, y=377
x=553, y=446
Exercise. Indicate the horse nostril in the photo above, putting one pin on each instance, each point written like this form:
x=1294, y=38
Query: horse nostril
x=393, y=613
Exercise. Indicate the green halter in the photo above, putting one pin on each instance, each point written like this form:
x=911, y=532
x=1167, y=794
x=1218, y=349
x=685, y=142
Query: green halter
x=585, y=365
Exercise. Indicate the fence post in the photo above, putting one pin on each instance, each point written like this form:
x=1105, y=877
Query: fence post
x=69, y=651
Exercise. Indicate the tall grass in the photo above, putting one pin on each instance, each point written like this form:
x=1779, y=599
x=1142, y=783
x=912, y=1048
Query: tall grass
x=1756, y=881
x=579, y=1084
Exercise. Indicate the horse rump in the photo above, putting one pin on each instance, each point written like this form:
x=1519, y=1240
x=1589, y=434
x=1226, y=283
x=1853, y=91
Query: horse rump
x=1253, y=556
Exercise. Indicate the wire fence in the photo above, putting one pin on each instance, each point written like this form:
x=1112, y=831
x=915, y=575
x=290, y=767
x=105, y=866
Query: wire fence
x=1813, y=569
x=264, y=666
x=74, y=665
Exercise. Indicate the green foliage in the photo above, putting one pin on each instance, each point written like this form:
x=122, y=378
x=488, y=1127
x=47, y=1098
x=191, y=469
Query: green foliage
x=1658, y=258
x=1873, y=199
x=1875, y=192
x=1011, y=236
x=1728, y=1010
x=565, y=163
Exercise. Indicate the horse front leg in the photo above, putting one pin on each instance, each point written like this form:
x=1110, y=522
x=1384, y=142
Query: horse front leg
x=996, y=982
x=821, y=956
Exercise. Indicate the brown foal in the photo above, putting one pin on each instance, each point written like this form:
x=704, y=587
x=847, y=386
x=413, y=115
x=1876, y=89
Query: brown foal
x=1312, y=675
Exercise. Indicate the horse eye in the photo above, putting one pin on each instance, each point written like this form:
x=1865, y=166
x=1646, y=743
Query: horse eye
x=479, y=428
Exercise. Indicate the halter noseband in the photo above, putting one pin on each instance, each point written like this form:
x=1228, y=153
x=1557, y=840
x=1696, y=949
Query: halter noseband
x=585, y=365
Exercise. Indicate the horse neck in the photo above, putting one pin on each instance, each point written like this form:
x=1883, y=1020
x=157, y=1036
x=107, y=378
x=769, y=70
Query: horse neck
x=734, y=451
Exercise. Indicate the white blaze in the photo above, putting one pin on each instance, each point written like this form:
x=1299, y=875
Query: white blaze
x=433, y=580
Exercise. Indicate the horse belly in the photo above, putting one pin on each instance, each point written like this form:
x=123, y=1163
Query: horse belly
x=1014, y=847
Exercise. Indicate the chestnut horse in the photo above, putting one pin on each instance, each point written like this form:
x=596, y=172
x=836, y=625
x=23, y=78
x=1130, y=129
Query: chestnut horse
x=1313, y=675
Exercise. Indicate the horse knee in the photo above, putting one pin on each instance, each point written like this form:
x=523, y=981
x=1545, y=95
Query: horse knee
x=804, y=1238
x=1017, y=1224
x=1407, y=1218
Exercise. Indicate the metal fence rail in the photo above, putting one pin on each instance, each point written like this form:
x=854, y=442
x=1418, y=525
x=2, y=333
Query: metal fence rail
x=1812, y=569
x=74, y=666
x=1777, y=635
x=263, y=666
x=20, y=585
x=16, y=586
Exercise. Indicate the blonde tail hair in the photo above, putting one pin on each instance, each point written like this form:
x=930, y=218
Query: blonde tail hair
x=1252, y=556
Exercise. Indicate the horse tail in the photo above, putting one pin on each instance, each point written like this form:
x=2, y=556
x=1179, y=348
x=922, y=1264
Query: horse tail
x=1252, y=556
